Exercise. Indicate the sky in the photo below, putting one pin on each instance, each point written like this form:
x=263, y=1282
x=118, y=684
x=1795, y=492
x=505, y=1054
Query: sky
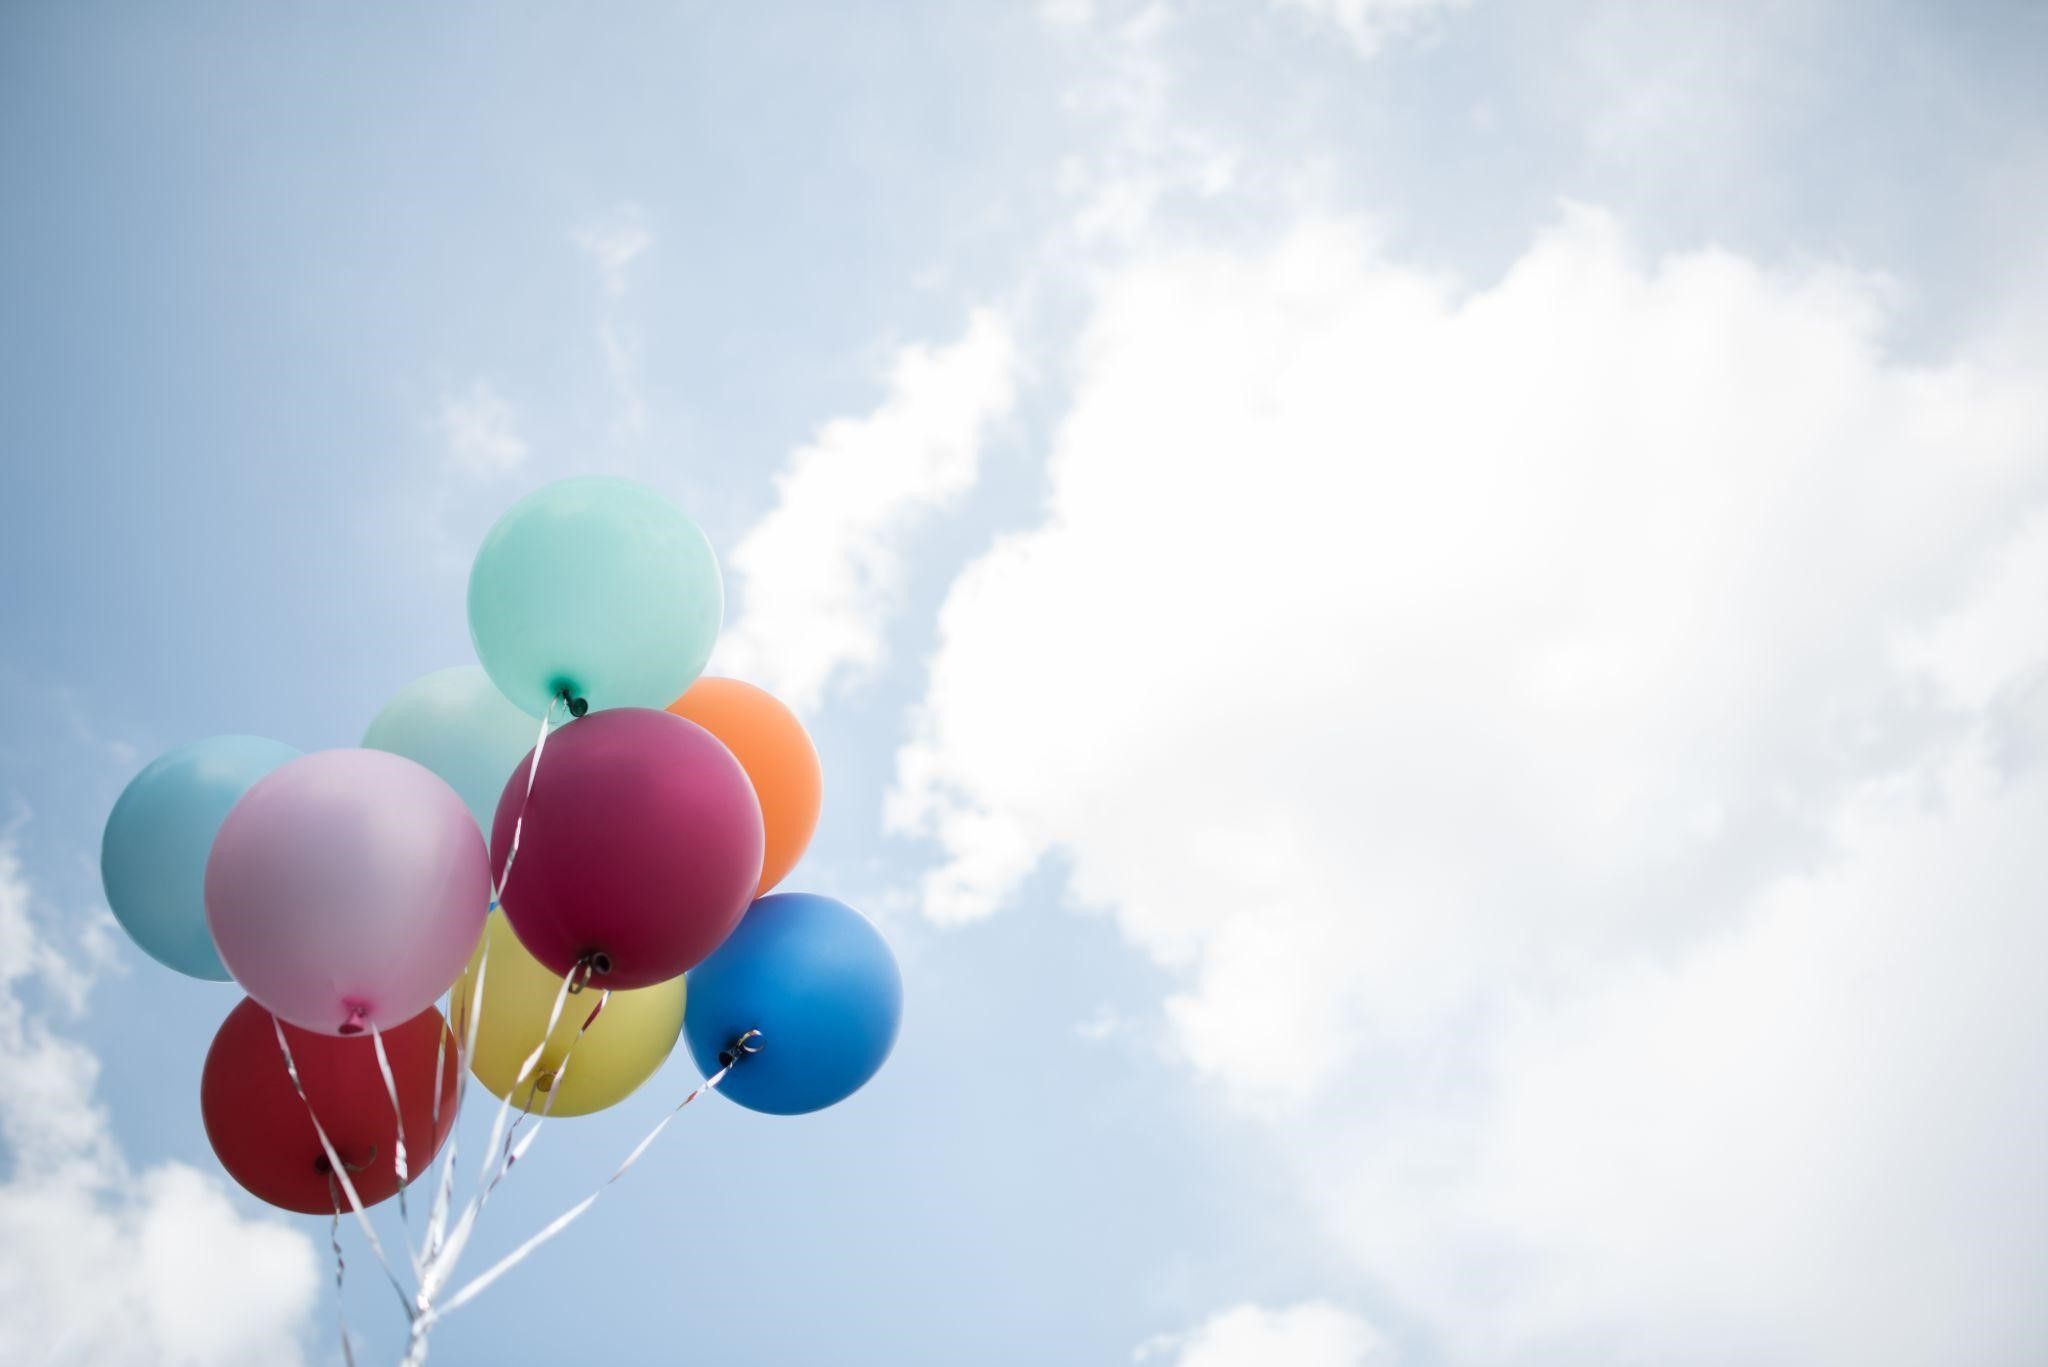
x=1424, y=619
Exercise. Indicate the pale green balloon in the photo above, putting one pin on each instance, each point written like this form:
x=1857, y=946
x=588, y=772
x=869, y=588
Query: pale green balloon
x=599, y=586
x=458, y=724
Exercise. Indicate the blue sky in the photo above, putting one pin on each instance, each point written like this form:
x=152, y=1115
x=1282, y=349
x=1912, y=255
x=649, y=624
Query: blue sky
x=1423, y=619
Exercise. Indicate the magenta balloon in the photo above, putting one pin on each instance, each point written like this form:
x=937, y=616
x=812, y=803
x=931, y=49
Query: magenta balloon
x=642, y=844
x=347, y=889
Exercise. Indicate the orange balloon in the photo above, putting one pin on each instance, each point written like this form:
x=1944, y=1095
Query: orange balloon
x=776, y=751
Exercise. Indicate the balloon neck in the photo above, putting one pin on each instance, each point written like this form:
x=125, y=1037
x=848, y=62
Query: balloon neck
x=358, y=1016
x=326, y=1169
x=594, y=964
x=747, y=1043
x=571, y=699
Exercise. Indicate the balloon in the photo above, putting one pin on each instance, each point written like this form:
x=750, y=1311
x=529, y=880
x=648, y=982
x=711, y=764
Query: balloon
x=623, y=1047
x=346, y=889
x=817, y=980
x=153, y=855
x=771, y=745
x=459, y=725
x=258, y=1125
x=641, y=846
x=597, y=586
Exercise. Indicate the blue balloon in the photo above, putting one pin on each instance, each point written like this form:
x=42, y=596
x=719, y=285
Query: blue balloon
x=597, y=587
x=817, y=980
x=153, y=854
x=459, y=725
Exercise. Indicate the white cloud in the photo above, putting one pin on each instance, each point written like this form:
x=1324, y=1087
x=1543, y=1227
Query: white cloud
x=99, y=1263
x=1370, y=23
x=1067, y=14
x=614, y=241
x=1460, y=691
x=1312, y=1334
x=1103, y=1023
x=818, y=575
x=482, y=432
x=1814, y=1138
x=1138, y=148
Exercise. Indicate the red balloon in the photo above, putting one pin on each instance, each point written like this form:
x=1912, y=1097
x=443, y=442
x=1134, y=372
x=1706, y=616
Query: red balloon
x=640, y=850
x=259, y=1128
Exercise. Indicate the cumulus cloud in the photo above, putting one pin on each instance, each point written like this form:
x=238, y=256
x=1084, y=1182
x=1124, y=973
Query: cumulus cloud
x=1312, y=1334
x=482, y=432
x=1504, y=710
x=819, y=575
x=1815, y=1138
x=101, y=1263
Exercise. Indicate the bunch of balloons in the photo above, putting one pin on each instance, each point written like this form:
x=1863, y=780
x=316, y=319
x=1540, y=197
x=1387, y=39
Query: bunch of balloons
x=582, y=813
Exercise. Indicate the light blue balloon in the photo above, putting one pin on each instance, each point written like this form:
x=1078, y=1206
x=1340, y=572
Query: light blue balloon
x=598, y=586
x=817, y=980
x=153, y=854
x=458, y=724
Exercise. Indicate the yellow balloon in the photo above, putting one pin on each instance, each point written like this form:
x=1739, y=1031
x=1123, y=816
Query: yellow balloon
x=622, y=1049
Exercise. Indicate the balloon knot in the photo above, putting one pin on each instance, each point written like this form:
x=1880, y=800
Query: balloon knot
x=748, y=1043
x=591, y=965
x=325, y=1168
x=357, y=1014
x=577, y=705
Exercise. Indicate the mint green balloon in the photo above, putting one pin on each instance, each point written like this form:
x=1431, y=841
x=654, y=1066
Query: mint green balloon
x=597, y=586
x=458, y=724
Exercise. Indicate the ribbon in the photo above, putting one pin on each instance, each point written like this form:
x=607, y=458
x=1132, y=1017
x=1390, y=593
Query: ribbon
x=748, y=1043
x=348, y=1352
x=338, y=1170
x=434, y=1260
x=519, y=822
x=443, y=1246
x=398, y=1118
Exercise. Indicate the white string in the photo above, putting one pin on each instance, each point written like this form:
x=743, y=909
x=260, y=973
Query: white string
x=348, y=1352
x=441, y=1066
x=398, y=1120
x=465, y=1049
x=477, y=1285
x=438, y=1257
x=513, y=1153
x=505, y=874
x=436, y=1272
x=338, y=1170
x=435, y=1259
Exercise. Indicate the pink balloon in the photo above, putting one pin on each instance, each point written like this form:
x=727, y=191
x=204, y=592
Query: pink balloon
x=641, y=847
x=346, y=889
